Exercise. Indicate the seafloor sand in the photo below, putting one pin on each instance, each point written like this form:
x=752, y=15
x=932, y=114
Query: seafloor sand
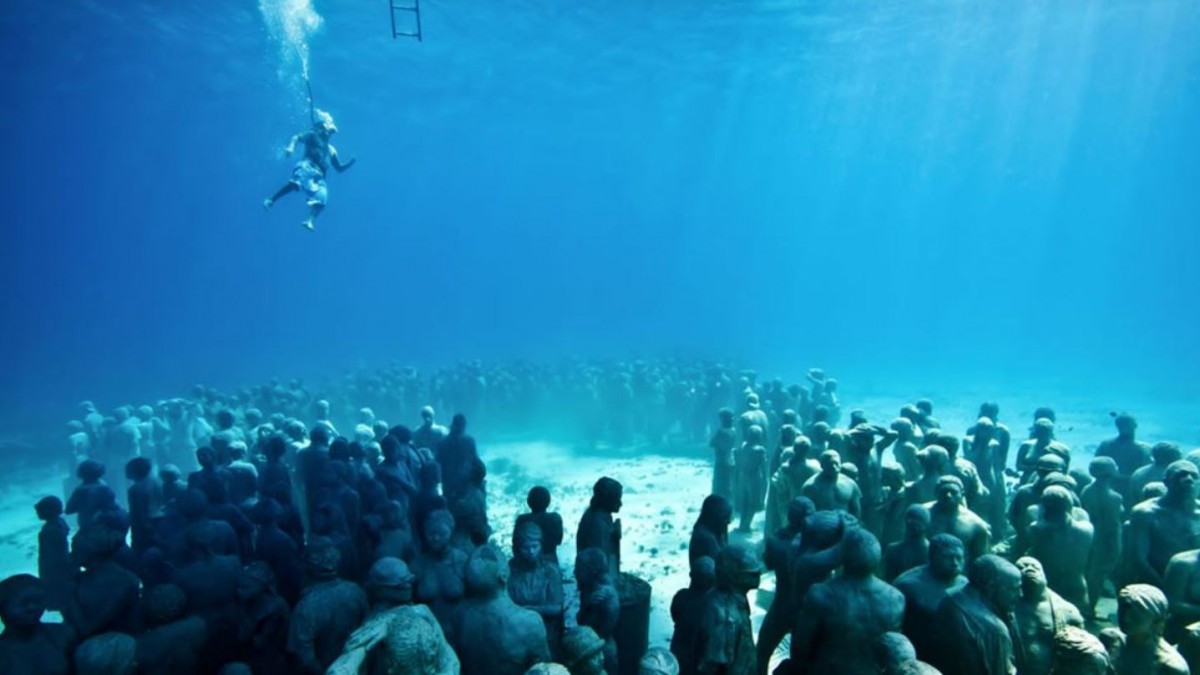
x=664, y=487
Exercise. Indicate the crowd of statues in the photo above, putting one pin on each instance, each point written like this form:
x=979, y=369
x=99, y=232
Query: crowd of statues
x=250, y=536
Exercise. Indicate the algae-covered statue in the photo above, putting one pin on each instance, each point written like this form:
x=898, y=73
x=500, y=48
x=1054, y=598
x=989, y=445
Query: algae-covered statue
x=398, y=637
x=840, y=616
x=491, y=633
x=598, y=528
x=1038, y=616
x=926, y=586
x=725, y=644
x=973, y=635
x=1142, y=615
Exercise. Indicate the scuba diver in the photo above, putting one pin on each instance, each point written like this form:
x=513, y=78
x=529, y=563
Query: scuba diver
x=309, y=173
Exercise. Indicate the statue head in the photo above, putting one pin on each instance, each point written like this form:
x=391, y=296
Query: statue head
x=903, y=427
x=916, y=521
x=1048, y=464
x=823, y=529
x=138, y=468
x=1043, y=429
x=255, y=579
x=997, y=581
x=861, y=553
x=947, y=555
x=990, y=410
x=106, y=654
x=658, y=661
x=925, y=407
x=831, y=463
x=1033, y=577
x=716, y=513
x=321, y=408
x=738, y=569
x=1126, y=424
x=1078, y=652
x=820, y=432
x=703, y=573
x=321, y=558
x=527, y=542
x=1180, y=479
x=439, y=525
x=933, y=459
x=89, y=471
x=787, y=435
x=725, y=415
x=583, y=651
x=801, y=450
x=22, y=601
x=606, y=495
x=548, y=669
x=1165, y=452
x=892, y=651
x=949, y=492
x=798, y=511
x=538, y=499
x=1056, y=501
x=754, y=434
x=163, y=604
x=427, y=414
x=48, y=508
x=1142, y=613
x=1102, y=468
x=891, y=476
x=390, y=581
x=319, y=436
x=458, y=424
x=487, y=572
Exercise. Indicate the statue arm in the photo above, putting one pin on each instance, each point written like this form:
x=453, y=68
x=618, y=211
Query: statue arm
x=806, y=633
x=300, y=644
x=1139, y=542
x=716, y=642
x=1175, y=586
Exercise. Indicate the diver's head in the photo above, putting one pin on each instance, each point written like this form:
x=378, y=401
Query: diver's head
x=323, y=121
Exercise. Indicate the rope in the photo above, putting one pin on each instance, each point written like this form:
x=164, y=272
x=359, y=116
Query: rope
x=312, y=115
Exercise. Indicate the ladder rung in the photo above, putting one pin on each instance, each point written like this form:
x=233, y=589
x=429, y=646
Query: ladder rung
x=407, y=35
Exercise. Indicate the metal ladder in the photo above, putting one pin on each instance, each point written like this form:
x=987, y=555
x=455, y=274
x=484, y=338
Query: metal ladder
x=415, y=8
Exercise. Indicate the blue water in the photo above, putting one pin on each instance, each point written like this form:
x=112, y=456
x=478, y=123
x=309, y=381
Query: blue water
x=996, y=194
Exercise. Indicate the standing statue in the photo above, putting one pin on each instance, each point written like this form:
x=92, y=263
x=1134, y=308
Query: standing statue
x=840, y=616
x=725, y=644
x=1039, y=615
x=492, y=635
x=950, y=515
x=750, y=486
x=724, y=440
x=598, y=528
x=398, y=637
x=1161, y=527
x=1106, y=511
x=973, y=635
x=1142, y=615
x=925, y=588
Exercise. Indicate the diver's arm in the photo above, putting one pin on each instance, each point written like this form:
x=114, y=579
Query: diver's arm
x=337, y=160
x=291, y=146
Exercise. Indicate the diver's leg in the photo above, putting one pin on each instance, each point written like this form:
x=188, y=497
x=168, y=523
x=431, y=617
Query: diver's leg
x=314, y=210
x=288, y=187
x=316, y=202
